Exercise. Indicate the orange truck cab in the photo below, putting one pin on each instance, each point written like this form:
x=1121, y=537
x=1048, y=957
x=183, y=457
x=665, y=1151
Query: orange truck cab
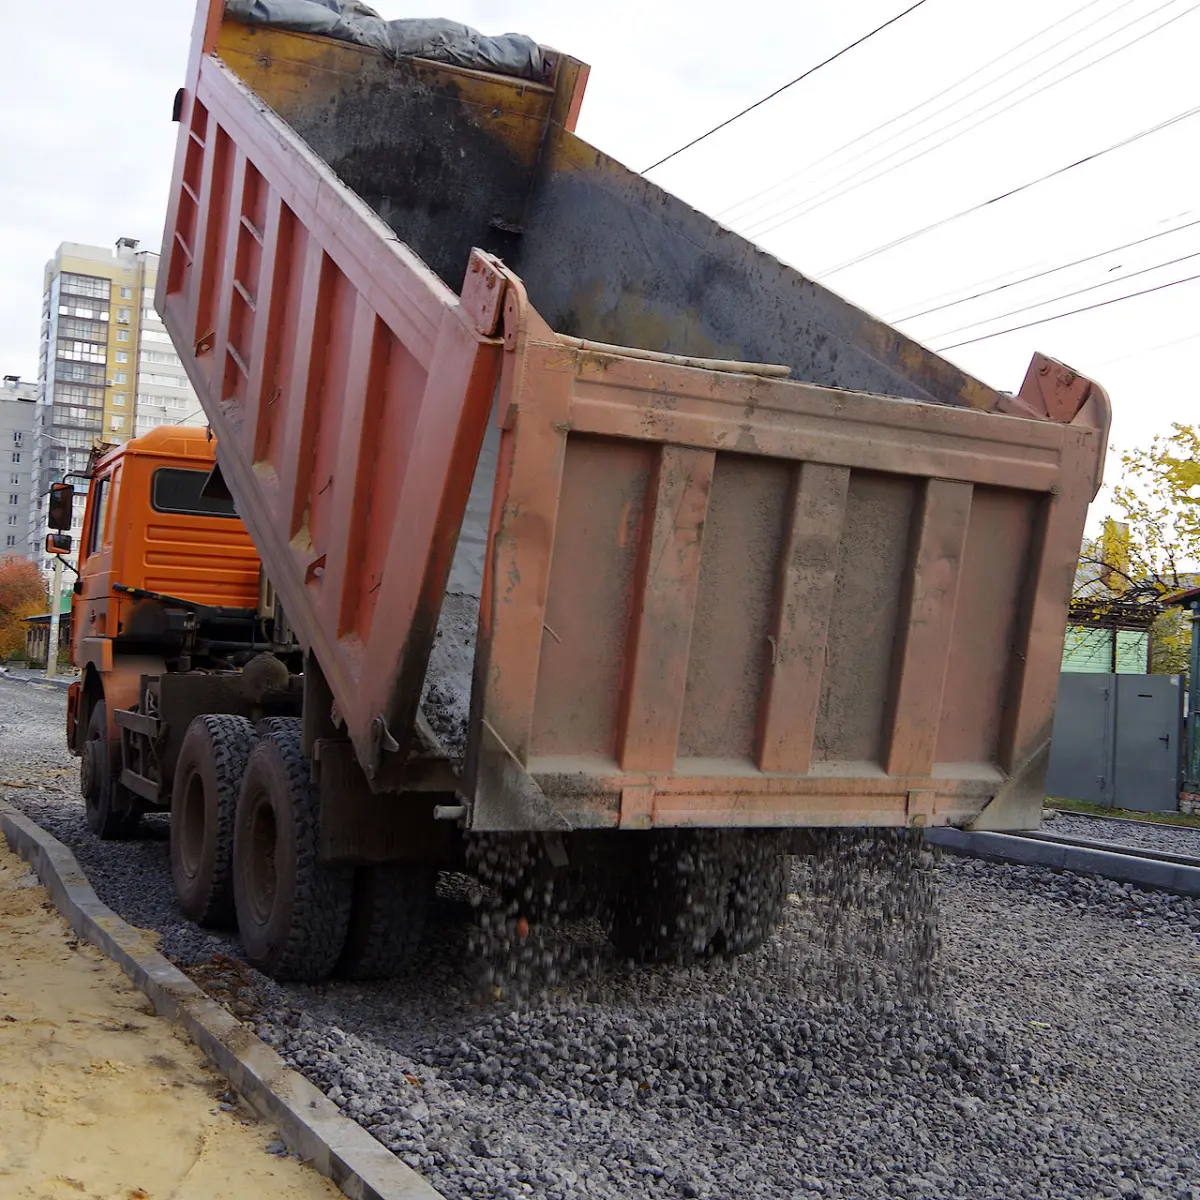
x=168, y=607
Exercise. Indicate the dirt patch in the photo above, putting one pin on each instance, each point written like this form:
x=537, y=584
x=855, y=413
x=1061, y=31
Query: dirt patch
x=228, y=982
x=99, y=1098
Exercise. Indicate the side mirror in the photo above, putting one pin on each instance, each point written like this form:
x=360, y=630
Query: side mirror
x=62, y=496
x=58, y=543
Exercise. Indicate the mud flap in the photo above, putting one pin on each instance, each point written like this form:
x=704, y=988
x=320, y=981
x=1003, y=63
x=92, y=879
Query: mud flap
x=1018, y=804
x=505, y=798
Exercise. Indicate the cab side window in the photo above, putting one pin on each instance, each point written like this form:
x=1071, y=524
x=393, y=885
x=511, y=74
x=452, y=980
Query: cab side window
x=95, y=529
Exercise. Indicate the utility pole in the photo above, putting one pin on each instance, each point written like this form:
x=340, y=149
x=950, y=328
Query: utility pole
x=55, y=605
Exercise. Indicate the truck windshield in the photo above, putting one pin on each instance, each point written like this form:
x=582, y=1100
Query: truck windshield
x=177, y=490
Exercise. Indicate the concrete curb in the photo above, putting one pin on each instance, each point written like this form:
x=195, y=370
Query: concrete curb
x=56, y=682
x=309, y=1123
x=1032, y=852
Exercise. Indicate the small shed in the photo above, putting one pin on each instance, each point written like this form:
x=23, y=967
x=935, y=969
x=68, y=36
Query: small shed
x=37, y=634
x=1109, y=635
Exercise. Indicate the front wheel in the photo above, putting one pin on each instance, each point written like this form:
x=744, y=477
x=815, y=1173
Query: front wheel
x=293, y=911
x=112, y=810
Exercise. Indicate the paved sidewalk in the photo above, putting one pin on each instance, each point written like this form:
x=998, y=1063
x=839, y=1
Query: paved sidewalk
x=100, y=1099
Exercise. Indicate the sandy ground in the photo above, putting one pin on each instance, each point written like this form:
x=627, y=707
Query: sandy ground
x=100, y=1099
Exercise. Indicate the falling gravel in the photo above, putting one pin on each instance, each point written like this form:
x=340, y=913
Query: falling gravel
x=1053, y=1055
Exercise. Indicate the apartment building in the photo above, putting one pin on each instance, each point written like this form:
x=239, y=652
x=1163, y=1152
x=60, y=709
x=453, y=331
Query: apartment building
x=18, y=408
x=107, y=369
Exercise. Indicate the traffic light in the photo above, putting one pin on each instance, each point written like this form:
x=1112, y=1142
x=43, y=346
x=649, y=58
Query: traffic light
x=61, y=497
x=58, y=543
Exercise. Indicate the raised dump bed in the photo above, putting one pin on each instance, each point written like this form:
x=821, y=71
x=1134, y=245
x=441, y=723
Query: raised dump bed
x=730, y=551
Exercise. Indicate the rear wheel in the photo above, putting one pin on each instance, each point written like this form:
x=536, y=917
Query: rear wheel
x=293, y=912
x=387, y=919
x=208, y=774
x=112, y=810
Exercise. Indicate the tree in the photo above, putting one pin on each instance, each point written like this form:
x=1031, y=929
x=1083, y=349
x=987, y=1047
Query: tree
x=1154, y=550
x=22, y=594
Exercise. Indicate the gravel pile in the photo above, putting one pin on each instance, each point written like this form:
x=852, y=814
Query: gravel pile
x=1053, y=1056
x=1172, y=839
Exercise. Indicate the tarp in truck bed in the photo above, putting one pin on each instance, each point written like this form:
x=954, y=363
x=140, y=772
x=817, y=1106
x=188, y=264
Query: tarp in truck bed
x=420, y=37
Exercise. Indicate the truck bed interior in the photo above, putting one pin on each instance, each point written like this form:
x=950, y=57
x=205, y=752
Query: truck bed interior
x=452, y=159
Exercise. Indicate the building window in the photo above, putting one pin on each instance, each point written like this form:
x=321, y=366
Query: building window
x=122, y=356
x=120, y=378
x=18, y=436
x=116, y=422
x=15, y=478
x=127, y=293
x=80, y=351
x=13, y=498
x=12, y=520
x=86, y=313
x=16, y=456
x=85, y=330
x=123, y=315
x=119, y=399
x=122, y=335
x=12, y=540
x=77, y=372
x=69, y=393
x=84, y=285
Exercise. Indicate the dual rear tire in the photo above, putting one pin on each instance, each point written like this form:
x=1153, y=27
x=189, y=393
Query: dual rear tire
x=244, y=844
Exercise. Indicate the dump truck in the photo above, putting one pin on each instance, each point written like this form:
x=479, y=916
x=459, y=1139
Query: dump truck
x=580, y=521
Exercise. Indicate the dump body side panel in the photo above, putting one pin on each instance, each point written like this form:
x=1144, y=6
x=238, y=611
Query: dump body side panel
x=349, y=388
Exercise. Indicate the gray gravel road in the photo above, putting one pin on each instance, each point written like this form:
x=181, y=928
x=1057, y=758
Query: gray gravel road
x=1059, y=1060
x=1173, y=839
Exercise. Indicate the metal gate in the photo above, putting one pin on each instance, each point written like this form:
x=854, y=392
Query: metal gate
x=1117, y=740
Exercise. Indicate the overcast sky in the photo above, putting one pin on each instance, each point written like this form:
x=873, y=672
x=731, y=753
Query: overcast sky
x=85, y=103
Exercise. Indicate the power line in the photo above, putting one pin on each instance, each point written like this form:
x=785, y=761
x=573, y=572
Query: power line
x=1024, y=187
x=1091, y=287
x=853, y=180
x=1191, y=337
x=1076, y=262
x=956, y=293
x=1073, y=312
x=928, y=100
x=792, y=83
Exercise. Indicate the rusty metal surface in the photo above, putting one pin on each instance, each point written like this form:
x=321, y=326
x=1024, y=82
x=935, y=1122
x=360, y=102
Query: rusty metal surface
x=826, y=608
x=707, y=597
x=349, y=389
x=452, y=159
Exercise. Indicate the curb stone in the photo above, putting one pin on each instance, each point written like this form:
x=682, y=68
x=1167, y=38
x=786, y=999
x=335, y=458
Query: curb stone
x=56, y=681
x=1031, y=852
x=309, y=1123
